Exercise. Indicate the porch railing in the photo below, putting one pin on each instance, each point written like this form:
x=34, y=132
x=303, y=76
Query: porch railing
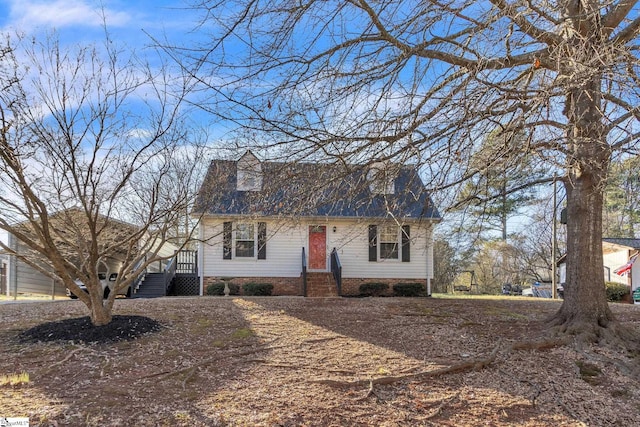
x=304, y=273
x=135, y=285
x=336, y=269
x=187, y=262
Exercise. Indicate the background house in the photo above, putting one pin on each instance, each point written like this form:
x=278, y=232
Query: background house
x=616, y=253
x=267, y=221
x=28, y=275
x=4, y=273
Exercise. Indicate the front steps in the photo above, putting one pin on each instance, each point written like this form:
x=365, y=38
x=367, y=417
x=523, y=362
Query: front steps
x=152, y=286
x=321, y=285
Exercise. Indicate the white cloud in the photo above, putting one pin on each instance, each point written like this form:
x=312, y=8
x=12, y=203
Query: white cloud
x=140, y=133
x=25, y=14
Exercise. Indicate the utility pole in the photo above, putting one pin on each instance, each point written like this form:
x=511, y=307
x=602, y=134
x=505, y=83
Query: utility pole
x=554, y=244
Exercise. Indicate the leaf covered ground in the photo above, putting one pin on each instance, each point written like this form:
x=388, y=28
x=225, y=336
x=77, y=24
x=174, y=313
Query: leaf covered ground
x=289, y=361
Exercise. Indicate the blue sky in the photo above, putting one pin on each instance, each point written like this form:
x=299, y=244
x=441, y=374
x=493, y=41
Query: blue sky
x=81, y=20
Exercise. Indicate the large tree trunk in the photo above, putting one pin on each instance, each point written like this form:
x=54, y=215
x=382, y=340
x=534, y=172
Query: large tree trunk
x=585, y=310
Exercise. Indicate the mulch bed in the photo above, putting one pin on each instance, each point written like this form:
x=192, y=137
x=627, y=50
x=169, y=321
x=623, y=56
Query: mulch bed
x=80, y=329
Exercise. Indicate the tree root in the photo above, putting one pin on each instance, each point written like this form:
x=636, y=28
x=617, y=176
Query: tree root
x=63, y=361
x=473, y=365
x=167, y=374
x=541, y=345
x=606, y=331
x=631, y=370
x=562, y=404
x=370, y=393
x=442, y=405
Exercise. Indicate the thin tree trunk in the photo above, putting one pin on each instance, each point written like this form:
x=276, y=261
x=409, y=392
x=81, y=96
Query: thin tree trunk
x=504, y=214
x=99, y=311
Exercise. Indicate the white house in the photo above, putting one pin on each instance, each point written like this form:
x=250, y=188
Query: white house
x=616, y=253
x=293, y=224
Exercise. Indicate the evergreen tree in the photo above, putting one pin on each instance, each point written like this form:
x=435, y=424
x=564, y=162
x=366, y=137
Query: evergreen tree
x=622, y=199
x=501, y=185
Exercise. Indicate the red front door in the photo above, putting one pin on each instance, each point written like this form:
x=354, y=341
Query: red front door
x=317, y=247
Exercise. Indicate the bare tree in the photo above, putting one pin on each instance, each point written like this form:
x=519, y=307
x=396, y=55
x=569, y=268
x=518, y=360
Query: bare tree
x=94, y=162
x=446, y=265
x=363, y=81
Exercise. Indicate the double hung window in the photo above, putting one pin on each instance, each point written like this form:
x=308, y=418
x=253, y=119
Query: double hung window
x=389, y=242
x=244, y=240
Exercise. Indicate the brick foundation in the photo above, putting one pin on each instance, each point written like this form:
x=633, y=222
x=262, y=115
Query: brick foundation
x=291, y=286
x=351, y=286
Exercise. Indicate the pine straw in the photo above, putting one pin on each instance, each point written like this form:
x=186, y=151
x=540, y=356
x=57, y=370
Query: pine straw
x=319, y=362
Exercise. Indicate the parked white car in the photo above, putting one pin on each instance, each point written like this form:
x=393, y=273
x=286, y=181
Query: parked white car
x=107, y=286
x=527, y=292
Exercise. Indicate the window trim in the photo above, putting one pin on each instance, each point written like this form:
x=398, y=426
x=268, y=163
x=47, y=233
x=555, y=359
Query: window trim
x=231, y=231
x=402, y=242
x=381, y=230
x=236, y=240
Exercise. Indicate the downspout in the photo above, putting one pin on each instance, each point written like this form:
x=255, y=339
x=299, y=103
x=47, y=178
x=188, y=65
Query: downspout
x=200, y=268
x=13, y=268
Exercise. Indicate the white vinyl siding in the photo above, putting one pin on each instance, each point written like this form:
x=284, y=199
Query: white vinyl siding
x=351, y=241
x=613, y=261
x=284, y=250
x=285, y=241
x=30, y=280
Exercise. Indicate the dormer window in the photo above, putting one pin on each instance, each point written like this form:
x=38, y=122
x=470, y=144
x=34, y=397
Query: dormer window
x=249, y=173
x=381, y=178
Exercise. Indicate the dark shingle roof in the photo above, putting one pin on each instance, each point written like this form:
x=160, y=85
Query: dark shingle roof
x=631, y=243
x=313, y=190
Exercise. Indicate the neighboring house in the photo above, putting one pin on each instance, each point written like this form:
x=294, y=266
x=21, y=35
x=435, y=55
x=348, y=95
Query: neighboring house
x=4, y=273
x=616, y=252
x=263, y=221
x=23, y=278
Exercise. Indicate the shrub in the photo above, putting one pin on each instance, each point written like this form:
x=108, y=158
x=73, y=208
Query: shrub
x=408, y=289
x=217, y=289
x=373, y=289
x=214, y=289
x=616, y=291
x=257, y=289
